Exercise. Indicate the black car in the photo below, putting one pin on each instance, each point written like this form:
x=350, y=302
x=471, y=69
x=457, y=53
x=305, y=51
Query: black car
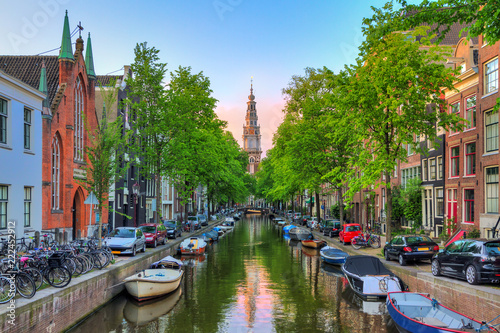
x=473, y=260
x=203, y=220
x=303, y=220
x=330, y=227
x=174, y=229
x=406, y=248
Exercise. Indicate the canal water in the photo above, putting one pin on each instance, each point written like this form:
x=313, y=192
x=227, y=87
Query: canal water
x=252, y=280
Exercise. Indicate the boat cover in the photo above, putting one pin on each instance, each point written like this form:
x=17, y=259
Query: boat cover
x=332, y=252
x=166, y=260
x=365, y=265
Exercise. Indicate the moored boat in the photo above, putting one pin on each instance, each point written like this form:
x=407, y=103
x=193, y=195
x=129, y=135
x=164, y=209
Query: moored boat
x=152, y=283
x=287, y=228
x=211, y=236
x=300, y=234
x=369, y=278
x=313, y=243
x=193, y=245
x=333, y=256
x=414, y=312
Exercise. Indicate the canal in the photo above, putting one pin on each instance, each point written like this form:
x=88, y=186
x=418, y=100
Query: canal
x=252, y=280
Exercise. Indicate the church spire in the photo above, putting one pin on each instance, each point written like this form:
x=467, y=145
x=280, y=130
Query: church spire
x=42, y=87
x=89, y=60
x=66, y=51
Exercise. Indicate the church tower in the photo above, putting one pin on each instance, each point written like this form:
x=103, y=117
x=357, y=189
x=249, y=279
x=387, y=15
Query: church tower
x=251, y=134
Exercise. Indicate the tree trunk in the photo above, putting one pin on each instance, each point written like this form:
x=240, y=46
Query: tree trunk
x=157, y=214
x=99, y=210
x=341, y=205
x=318, y=210
x=388, y=219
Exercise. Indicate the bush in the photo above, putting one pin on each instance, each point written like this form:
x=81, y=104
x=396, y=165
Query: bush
x=474, y=233
x=422, y=232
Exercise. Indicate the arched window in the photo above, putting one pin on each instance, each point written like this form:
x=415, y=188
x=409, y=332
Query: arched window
x=56, y=172
x=78, y=144
x=252, y=160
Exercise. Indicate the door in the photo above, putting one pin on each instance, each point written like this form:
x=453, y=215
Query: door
x=452, y=209
x=450, y=260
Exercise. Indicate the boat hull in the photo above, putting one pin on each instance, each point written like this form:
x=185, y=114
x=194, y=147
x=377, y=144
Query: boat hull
x=147, y=284
x=333, y=256
x=299, y=234
x=314, y=244
x=193, y=246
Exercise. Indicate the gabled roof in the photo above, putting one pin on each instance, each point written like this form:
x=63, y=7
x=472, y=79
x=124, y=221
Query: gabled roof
x=105, y=80
x=28, y=69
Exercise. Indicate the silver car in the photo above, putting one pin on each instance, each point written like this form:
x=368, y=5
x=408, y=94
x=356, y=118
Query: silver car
x=126, y=240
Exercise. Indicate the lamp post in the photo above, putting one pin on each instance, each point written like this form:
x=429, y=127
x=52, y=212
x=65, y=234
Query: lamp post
x=135, y=191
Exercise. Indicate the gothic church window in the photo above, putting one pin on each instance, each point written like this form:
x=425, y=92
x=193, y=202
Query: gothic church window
x=78, y=130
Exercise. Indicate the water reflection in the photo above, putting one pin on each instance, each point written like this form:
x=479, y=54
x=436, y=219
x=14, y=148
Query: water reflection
x=251, y=280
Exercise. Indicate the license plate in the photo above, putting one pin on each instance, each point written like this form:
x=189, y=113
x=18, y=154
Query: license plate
x=423, y=249
x=116, y=252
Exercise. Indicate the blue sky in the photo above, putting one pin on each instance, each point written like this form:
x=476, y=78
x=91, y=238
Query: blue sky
x=229, y=40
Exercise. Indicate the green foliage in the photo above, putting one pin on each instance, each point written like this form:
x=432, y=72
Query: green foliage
x=412, y=195
x=474, y=233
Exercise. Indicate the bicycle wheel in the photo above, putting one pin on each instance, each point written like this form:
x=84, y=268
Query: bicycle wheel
x=354, y=243
x=36, y=275
x=6, y=291
x=58, y=277
x=375, y=242
x=25, y=285
x=69, y=263
x=21, y=248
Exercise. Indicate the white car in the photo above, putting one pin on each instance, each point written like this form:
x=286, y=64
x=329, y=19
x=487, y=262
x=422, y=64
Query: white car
x=312, y=222
x=126, y=240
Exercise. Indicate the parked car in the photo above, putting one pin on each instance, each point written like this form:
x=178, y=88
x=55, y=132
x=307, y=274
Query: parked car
x=304, y=219
x=348, y=231
x=330, y=227
x=174, y=229
x=126, y=240
x=203, y=220
x=289, y=214
x=194, y=221
x=296, y=217
x=155, y=233
x=312, y=222
x=406, y=248
x=476, y=261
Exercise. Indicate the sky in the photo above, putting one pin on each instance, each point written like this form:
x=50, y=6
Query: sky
x=230, y=41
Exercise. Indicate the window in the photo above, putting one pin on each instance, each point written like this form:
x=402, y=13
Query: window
x=4, y=199
x=439, y=202
x=455, y=162
x=470, y=159
x=470, y=112
x=492, y=190
x=491, y=76
x=27, y=128
x=56, y=172
x=407, y=174
x=455, y=108
x=469, y=206
x=491, y=128
x=78, y=130
x=440, y=167
x=27, y=206
x=3, y=120
x=432, y=169
x=119, y=200
x=424, y=170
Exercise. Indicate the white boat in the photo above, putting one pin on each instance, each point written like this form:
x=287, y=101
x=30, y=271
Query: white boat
x=151, y=283
x=193, y=245
x=226, y=226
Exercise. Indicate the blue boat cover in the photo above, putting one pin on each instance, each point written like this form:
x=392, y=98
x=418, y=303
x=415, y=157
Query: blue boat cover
x=365, y=265
x=165, y=260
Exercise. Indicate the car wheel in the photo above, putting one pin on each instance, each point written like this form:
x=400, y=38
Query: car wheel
x=386, y=255
x=471, y=274
x=155, y=244
x=144, y=247
x=435, y=268
x=133, y=252
x=402, y=260
x=343, y=241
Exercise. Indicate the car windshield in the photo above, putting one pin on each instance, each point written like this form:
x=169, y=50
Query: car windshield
x=353, y=228
x=418, y=239
x=330, y=223
x=492, y=249
x=149, y=229
x=170, y=225
x=123, y=233
x=192, y=218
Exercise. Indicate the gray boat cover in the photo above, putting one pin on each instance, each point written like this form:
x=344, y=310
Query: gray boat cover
x=365, y=265
x=165, y=260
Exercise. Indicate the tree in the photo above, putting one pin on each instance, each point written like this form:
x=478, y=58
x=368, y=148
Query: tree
x=412, y=196
x=394, y=94
x=106, y=145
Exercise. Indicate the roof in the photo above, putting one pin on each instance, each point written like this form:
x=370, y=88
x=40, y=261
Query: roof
x=105, y=80
x=28, y=68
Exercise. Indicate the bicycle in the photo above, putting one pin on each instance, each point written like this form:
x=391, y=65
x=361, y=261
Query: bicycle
x=364, y=240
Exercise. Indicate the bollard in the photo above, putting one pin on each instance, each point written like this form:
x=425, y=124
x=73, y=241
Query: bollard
x=37, y=239
x=56, y=236
x=65, y=237
x=61, y=239
x=79, y=234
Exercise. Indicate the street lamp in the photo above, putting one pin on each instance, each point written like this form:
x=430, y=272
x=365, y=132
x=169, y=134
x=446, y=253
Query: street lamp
x=135, y=191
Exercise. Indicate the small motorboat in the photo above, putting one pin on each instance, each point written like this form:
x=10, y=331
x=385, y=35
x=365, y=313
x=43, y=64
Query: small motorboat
x=193, y=245
x=211, y=236
x=333, y=256
x=156, y=281
x=287, y=228
x=278, y=220
x=414, y=312
x=229, y=221
x=219, y=231
x=300, y=234
x=369, y=278
x=226, y=226
x=313, y=243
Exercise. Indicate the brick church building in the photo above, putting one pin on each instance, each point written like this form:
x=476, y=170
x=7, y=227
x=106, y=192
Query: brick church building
x=68, y=80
